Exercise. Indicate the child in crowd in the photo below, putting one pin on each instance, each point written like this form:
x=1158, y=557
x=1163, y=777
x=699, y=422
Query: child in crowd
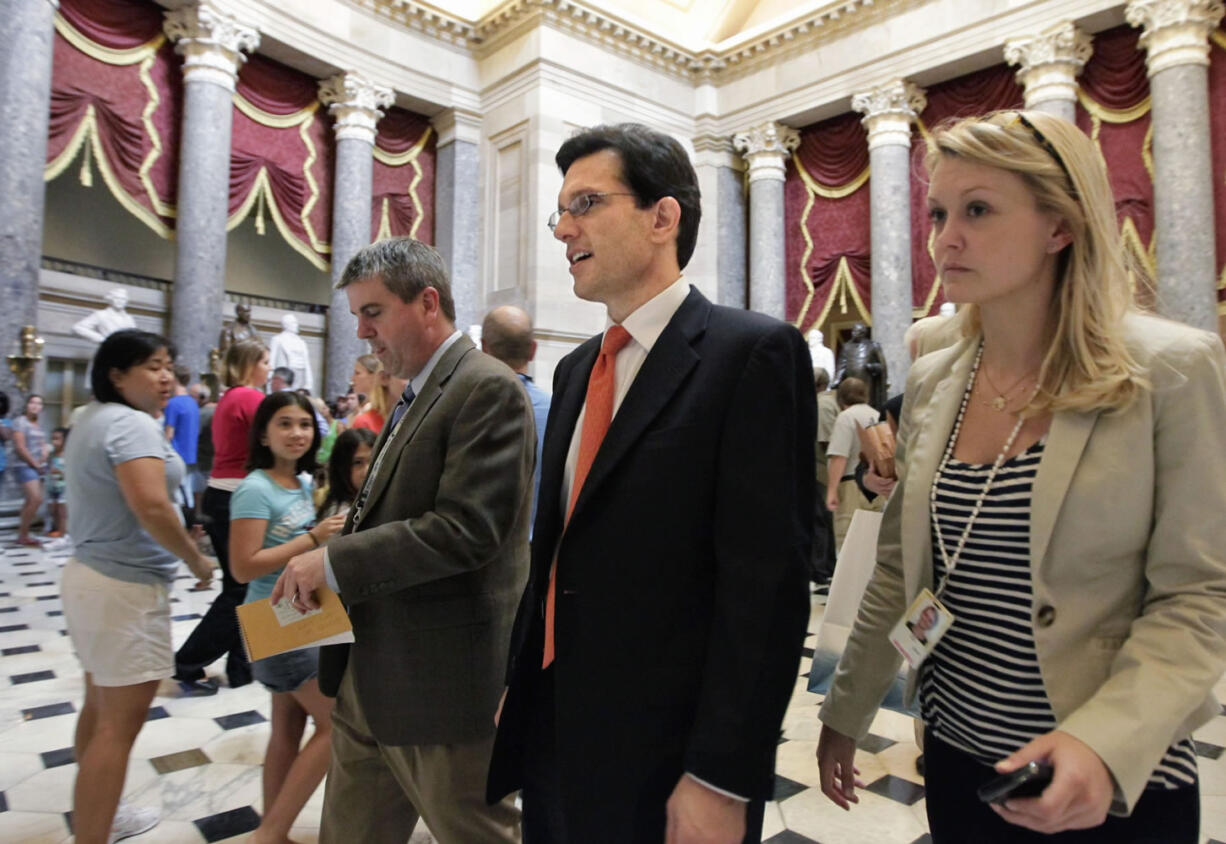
x=347, y=467
x=55, y=483
x=272, y=520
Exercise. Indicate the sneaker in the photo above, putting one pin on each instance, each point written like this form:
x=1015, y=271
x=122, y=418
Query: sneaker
x=132, y=820
x=199, y=688
x=29, y=542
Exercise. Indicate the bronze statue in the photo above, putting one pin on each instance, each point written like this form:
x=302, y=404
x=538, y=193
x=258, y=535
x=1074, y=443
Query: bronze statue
x=862, y=358
x=240, y=329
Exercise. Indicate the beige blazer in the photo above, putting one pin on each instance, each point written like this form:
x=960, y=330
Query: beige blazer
x=1128, y=554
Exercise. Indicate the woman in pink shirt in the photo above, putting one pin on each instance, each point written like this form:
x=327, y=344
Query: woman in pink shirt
x=246, y=371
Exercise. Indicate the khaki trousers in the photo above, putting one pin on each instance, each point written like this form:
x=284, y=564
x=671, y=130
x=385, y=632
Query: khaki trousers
x=851, y=499
x=375, y=793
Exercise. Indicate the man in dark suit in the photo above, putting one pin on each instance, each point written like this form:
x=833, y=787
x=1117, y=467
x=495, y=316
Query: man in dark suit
x=657, y=642
x=430, y=565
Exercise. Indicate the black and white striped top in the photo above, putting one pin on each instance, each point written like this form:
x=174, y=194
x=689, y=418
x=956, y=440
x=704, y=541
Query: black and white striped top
x=980, y=689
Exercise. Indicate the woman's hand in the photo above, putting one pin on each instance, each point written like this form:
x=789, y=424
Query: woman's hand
x=880, y=485
x=329, y=526
x=1080, y=792
x=836, y=755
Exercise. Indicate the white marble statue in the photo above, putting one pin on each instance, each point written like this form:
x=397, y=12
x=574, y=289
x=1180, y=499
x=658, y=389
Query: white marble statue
x=101, y=324
x=289, y=350
x=823, y=357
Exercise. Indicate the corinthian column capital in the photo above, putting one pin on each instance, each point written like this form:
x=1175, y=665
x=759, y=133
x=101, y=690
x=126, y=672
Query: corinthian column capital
x=356, y=103
x=1048, y=63
x=889, y=111
x=1174, y=32
x=211, y=42
x=766, y=147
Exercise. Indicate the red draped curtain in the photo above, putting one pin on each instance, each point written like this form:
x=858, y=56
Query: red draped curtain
x=282, y=157
x=1217, y=118
x=116, y=101
x=402, y=194
x=1113, y=108
x=983, y=91
x=826, y=214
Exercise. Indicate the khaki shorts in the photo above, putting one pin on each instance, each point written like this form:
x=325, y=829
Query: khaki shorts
x=121, y=630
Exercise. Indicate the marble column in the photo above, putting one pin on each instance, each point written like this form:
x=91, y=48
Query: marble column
x=766, y=149
x=1048, y=65
x=1175, y=35
x=212, y=45
x=888, y=113
x=356, y=104
x=457, y=210
x=720, y=254
x=25, y=104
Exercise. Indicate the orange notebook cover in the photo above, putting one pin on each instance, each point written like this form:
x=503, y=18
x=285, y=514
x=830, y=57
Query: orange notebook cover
x=269, y=630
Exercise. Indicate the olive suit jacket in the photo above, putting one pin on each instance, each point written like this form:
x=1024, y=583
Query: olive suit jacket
x=1128, y=553
x=682, y=596
x=433, y=566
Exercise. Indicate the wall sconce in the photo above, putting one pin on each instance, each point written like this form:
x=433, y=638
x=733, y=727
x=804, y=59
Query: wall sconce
x=22, y=365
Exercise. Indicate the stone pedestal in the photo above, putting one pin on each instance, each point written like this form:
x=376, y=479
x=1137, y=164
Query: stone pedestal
x=212, y=46
x=26, y=31
x=889, y=111
x=766, y=149
x=1175, y=37
x=457, y=210
x=1048, y=65
x=356, y=104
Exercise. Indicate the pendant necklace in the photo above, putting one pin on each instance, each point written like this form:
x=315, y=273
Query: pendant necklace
x=1001, y=401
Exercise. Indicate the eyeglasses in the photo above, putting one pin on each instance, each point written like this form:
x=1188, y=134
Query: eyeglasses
x=579, y=206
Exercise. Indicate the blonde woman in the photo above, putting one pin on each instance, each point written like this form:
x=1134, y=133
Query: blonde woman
x=246, y=371
x=1060, y=468
x=370, y=379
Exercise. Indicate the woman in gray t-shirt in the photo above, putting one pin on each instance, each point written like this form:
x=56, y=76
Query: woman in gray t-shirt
x=127, y=540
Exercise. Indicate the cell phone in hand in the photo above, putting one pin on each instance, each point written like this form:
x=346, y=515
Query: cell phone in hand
x=1027, y=781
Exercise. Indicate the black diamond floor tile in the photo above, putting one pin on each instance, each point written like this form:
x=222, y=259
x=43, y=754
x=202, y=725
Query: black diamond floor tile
x=5, y=594
x=789, y=837
x=47, y=597
x=897, y=789
x=1207, y=750
x=240, y=719
x=54, y=613
x=785, y=788
x=875, y=744
x=923, y=839
x=24, y=649
x=42, y=583
x=55, y=758
x=13, y=628
x=31, y=574
x=157, y=713
x=35, y=676
x=9, y=609
x=48, y=711
x=807, y=652
x=228, y=824
x=4, y=803
x=185, y=617
x=27, y=563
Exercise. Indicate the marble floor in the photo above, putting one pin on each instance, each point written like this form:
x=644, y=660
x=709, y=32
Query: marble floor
x=198, y=759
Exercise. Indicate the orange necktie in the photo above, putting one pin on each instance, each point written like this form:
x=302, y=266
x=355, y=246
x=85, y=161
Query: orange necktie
x=597, y=414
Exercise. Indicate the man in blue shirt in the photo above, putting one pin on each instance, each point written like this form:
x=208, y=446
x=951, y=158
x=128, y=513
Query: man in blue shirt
x=506, y=333
x=183, y=430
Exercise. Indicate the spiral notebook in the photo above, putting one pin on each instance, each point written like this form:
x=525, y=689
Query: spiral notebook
x=270, y=629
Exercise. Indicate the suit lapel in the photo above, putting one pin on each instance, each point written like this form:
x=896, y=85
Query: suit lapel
x=395, y=440
x=1066, y=440
x=933, y=421
x=662, y=374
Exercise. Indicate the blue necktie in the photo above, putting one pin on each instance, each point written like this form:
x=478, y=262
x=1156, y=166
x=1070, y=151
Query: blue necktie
x=406, y=399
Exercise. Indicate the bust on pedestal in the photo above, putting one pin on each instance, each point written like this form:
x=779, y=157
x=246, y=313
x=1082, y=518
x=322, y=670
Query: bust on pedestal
x=289, y=350
x=823, y=357
x=101, y=324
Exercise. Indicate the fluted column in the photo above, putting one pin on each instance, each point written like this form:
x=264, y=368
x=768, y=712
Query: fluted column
x=356, y=104
x=889, y=111
x=212, y=45
x=1048, y=66
x=766, y=149
x=457, y=209
x=26, y=31
x=1175, y=35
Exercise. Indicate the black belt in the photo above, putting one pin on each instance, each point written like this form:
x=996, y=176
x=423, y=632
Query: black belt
x=847, y=478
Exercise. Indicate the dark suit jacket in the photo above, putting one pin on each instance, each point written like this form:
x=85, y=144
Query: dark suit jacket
x=682, y=600
x=432, y=570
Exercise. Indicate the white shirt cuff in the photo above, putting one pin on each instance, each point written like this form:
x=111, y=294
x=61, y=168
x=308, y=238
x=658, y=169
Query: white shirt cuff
x=716, y=789
x=328, y=575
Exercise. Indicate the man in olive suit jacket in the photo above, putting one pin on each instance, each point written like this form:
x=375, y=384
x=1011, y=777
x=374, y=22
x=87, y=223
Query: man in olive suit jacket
x=430, y=565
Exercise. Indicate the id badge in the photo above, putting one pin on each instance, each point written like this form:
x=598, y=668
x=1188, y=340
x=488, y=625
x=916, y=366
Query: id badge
x=916, y=634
